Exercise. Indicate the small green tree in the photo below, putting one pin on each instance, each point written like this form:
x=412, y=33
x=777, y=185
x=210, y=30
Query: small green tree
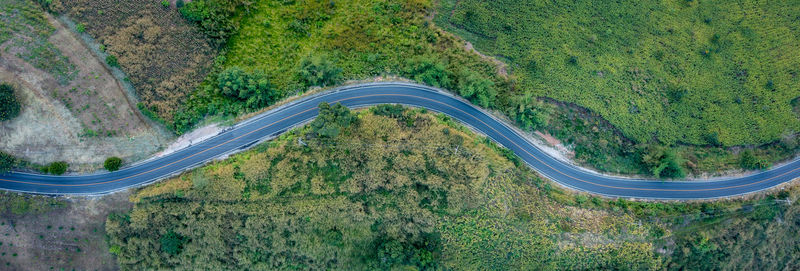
x=7, y=162
x=331, y=120
x=663, y=162
x=9, y=105
x=748, y=160
x=476, y=88
x=428, y=71
x=319, y=71
x=111, y=60
x=56, y=168
x=252, y=88
x=112, y=163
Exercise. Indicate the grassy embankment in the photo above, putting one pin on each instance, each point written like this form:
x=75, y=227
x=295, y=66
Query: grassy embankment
x=295, y=45
x=683, y=74
x=334, y=195
x=389, y=189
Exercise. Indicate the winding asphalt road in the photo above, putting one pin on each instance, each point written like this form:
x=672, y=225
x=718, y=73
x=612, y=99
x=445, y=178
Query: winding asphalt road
x=281, y=119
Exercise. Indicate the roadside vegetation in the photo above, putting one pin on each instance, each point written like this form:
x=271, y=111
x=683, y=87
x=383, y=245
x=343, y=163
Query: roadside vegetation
x=9, y=104
x=333, y=195
x=112, y=163
x=697, y=77
x=384, y=188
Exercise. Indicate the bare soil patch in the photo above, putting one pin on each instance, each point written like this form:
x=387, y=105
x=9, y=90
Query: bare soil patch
x=83, y=121
x=71, y=237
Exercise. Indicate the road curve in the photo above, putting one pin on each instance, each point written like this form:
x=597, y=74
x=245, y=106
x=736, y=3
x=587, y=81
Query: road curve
x=281, y=119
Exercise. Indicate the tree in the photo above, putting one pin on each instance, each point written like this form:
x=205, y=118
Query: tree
x=9, y=105
x=56, y=168
x=748, y=160
x=476, y=88
x=112, y=163
x=663, y=162
x=172, y=243
x=331, y=120
x=319, y=71
x=215, y=17
x=428, y=71
x=6, y=162
x=252, y=88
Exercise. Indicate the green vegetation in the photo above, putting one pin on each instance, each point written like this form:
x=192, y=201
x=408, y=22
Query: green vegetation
x=392, y=189
x=254, y=89
x=301, y=44
x=7, y=162
x=711, y=72
x=9, y=105
x=18, y=204
x=112, y=163
x=760, y=235
x=56, y=168
x=26, y=27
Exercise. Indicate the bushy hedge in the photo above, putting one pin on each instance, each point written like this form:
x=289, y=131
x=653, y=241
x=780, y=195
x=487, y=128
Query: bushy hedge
x=112, y=163
x=56, y=168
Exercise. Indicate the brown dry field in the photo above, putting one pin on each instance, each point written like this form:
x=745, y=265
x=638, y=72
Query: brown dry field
x=55, y=121
x=66, y=238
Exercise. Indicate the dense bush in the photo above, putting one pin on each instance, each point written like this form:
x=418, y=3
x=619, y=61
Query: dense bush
x=476, y=88
x=332, y=120
x=56, y=168
x=252, y=88
x=319, y=71
x=749, y=161
x=112, y=163
x=663, y=162
x=7, y=162
x=429, y=71
x=9, y=105
x=215, y=17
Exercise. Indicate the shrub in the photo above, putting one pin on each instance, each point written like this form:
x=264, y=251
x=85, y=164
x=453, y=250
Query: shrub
x=319, y=71
x=428, y=71
x=252, y=88
x=80, y=28
x=179, y=4
x=6, y=162
x=111, y=60
x=331, y=120
x=476, y=88
x=9, y=105
x=215, y=17
x=112, y=163
x=56, y=168
x=663, y=162
x=165, y=3
x=748, y=160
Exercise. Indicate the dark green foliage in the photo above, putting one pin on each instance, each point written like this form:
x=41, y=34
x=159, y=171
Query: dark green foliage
x=331, y=120
x=389, y=110
x=749, y=161
x=112, y=163
x=56, y=168
x=319, y=71
x=252, y=88
x=111, y=60
x=215, y=17
x=663, y=162
x=429, y=71
x=172, y=243
x=7, y=162
x=9, y=105
x=476, y=88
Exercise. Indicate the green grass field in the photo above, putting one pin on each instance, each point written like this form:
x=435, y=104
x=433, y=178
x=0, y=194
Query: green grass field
x=694, y=72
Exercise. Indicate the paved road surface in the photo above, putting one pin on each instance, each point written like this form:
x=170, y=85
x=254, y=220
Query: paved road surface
x=279, y=120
